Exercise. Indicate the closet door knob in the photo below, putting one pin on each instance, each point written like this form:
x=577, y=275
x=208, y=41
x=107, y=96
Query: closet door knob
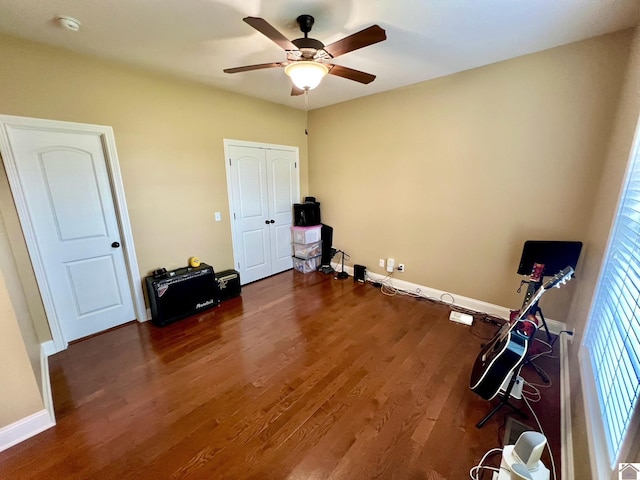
x=272, y=221
x=115, y=244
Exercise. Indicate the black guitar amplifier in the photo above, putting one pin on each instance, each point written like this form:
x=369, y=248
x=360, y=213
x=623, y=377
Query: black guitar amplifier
x=228, y=284
x=180, y=293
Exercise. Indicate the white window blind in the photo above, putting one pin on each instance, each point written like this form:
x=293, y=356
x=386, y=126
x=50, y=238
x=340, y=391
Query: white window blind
x=613, y=332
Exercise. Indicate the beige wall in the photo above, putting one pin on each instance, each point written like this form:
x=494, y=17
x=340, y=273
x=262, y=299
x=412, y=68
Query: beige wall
x=20, y=385
x=612, y=177
x=24, y=290
x=451, y=176
x=19, y=394
x=169, y=135
x=12, y=253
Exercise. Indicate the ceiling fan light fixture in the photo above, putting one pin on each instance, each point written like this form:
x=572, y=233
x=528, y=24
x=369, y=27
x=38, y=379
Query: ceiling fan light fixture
x=306, y=74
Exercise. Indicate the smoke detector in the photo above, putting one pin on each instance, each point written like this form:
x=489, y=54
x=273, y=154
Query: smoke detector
x=69, y=23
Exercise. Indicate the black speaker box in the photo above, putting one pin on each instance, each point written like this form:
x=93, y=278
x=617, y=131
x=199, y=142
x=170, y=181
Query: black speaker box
x=306, y=214
x=228, y=284
x=359, y=273
x=180, y=293
x=326, y=234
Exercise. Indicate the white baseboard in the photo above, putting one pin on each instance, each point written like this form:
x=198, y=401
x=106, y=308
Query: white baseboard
x=40, y=421
x=47, y=349
x=25, y=428
x=555, y=326
x=566, y=434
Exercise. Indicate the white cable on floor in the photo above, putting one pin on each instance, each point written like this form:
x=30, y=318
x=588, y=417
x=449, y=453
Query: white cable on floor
x=473, y=472
x=553, y=464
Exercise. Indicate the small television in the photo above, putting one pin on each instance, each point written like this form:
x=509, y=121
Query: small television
x=554, y=255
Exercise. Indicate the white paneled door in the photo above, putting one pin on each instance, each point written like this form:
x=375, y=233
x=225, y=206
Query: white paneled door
x=70, y=206
x=264, y=184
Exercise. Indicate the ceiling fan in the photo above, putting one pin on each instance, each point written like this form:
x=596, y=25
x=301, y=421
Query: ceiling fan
x=308, y=59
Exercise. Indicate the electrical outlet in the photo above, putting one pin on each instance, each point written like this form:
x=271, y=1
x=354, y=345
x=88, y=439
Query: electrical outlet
x=391, y=264
x=381, y=263
x=401, y=267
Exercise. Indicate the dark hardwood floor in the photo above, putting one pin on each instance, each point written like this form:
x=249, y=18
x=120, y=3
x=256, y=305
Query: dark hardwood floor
x=302, y=377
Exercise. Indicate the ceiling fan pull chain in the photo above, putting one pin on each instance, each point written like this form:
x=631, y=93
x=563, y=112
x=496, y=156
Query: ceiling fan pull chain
x=306, y=111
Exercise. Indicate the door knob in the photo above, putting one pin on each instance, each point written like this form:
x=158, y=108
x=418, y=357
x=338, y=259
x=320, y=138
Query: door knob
x=115, y=244
x=272, y=221
x=266, y=222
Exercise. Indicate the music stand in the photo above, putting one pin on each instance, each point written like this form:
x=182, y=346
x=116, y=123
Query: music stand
x=504, y=400
x=554, y=255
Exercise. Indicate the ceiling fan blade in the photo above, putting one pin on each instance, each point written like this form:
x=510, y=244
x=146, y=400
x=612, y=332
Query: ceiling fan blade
x=351, y=74
x=259, y=66
x=363, y=38
x=295, y=91
x=261, y=25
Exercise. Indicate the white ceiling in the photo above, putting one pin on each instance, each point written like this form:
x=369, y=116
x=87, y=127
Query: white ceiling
x=196, y=39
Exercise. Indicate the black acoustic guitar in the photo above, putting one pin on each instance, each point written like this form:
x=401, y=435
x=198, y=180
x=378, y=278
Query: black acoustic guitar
x=503, y=354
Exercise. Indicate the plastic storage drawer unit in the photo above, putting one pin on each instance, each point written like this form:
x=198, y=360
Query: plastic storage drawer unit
x=306, y=265
x=304, y=235
x=307, y=250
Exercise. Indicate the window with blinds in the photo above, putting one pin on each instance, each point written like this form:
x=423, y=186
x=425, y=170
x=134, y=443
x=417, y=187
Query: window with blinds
x=613, y=333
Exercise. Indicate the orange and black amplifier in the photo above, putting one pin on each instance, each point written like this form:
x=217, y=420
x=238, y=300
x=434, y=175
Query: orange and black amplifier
x=228, y=284
x=180, y=293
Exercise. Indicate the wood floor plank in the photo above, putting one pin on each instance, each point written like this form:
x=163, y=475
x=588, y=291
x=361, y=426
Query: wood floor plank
x=302, y=377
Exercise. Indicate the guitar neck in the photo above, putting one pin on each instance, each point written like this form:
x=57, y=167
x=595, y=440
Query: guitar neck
x=531, y=290
x=535, y=281
x=531, y=302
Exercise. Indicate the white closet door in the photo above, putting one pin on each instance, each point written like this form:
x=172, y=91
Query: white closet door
x=282, y=176
x=264, y=184
x=252, y=246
